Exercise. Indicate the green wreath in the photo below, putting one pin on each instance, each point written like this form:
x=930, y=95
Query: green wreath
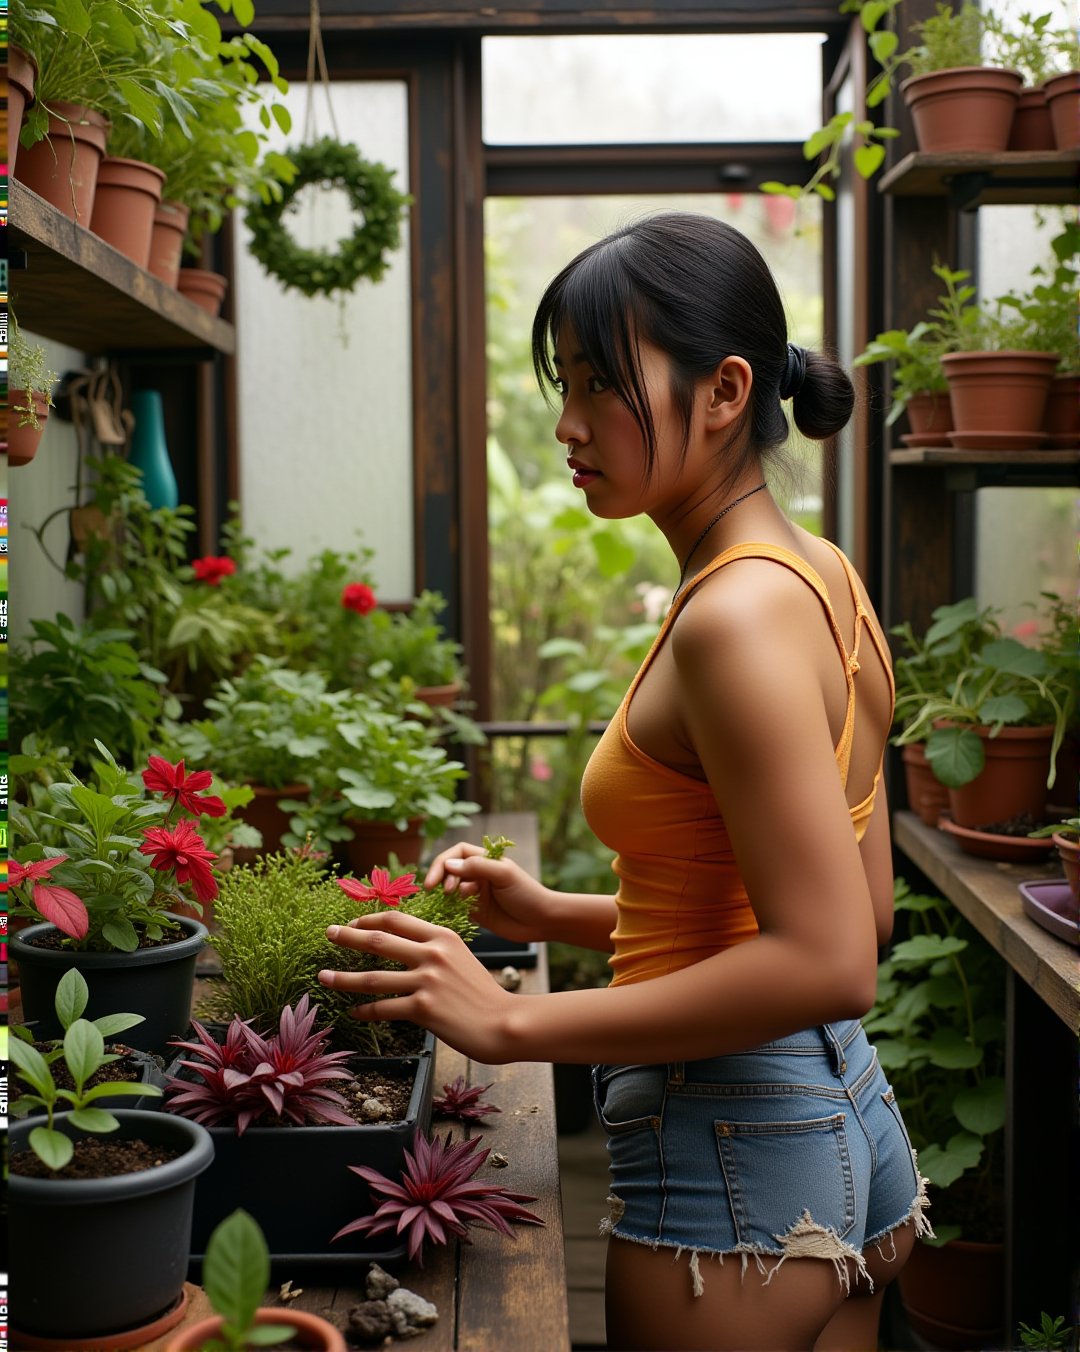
x=318, y=272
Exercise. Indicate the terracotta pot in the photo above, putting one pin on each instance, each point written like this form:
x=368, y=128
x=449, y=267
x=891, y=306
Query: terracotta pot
x=999, y=392
x=1063, y=100
x=966, y=108
x=63, y=168
x=127, y=193
x=927, y=797
x=267, y=817
x=954, y=1296
x=167, y=241
x=1011, y=783
x=206, y=289
x=309, y=1330
x=21, y=74
x=439, y=696
x=929, y=414
x=1062, y=418
x=374, y=842
x=1032, y=128
x=1068, y=848
x=23, y=442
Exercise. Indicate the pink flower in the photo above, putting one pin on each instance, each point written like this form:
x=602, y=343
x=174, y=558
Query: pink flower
x=212, y=568
x=164, y=777
x=60, y=906
x=540, y=770
x=358, y=596
x=1026, y=629
x=389, y=892
x=183, y=851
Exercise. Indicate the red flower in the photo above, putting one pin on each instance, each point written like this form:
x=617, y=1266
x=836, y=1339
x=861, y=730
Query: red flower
x=60, y=906
x=182, y=850
x=164, y=777
x=381, y=889
x=213, y=568
x=358, y=596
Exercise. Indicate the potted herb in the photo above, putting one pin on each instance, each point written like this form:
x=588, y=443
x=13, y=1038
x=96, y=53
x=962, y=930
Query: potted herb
x=99, y=865
x=1041, y=54
x=918, y=383
x=30, y=383
x=235, y=1276
x=939, y=1029
x=100, y=1200
x=1066, y=836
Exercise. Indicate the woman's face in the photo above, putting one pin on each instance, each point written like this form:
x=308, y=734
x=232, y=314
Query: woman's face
x=605, y=447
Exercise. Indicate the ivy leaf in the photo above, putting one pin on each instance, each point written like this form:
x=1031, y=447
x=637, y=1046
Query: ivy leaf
x=982, y=1109
x=868, y=159
x=883, y=43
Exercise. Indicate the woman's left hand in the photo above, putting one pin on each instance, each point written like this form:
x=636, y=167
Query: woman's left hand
x=443, y=988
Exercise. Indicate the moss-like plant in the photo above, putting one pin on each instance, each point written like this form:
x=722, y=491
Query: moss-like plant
x=272, y=918
x=30, y=377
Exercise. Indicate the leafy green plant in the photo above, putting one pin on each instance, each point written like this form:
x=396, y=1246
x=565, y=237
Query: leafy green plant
x=1048, y=309
x=917, y=355
x=235, y=1276
x=939, y=1029
x=1027, y=43
x=82, y=1052
x=929, y=664
x=272, y=918
x=29, y=375
x=410, y=646
x=1051, y=1333
x=1070, y=826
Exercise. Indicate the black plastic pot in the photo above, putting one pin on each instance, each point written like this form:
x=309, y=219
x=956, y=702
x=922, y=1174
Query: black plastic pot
x=154, y=982
x=296, y=1182
x=495, y=951
x=150, y=1073
x=93, y=1257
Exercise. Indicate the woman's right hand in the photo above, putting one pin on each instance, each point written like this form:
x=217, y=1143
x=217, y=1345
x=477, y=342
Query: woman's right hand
x=507, y=900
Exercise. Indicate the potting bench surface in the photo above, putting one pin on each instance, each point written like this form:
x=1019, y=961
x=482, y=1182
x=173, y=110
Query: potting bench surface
x=493, y=1293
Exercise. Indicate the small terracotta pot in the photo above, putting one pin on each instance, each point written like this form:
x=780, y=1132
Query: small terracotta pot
x=63, y=168
x=127, y=193
x=167, y=241
x=21, y=74
x=264, y=814
x=1011, y=783
x=1032, y=128
x=965, y=108
x=206, y=289
x=1062, y=419
x=309, y=1330
x=23, y=442
x=999, y=392
x=1063, y=99
x=927, y=797
x=1068, y=848
x=374, y=842
x=929, y=414
x=439, y=696
x=954, y=1295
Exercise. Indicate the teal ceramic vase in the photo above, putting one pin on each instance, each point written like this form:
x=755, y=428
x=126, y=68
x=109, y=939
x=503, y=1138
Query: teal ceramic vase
x=149, y=451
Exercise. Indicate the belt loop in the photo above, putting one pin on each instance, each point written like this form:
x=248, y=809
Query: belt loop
x=835, y=1049
x=676, y=1072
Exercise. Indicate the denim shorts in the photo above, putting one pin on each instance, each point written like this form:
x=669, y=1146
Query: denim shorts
x=793, y=1149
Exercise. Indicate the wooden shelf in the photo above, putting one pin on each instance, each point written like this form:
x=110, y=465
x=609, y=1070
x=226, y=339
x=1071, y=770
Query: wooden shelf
x=986, y=893
x=76, y=289
x=967, y=470
x=949, y=455
x=971, y=179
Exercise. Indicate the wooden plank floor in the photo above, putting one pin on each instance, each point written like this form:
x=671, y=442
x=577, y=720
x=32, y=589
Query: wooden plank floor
x=583, y=1176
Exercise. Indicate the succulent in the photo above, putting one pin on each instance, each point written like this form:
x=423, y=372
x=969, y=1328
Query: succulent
x=464, y=1104
x=438, y=1197
x=250, y=1076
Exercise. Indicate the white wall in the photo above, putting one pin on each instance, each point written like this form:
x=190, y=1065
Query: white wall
x=325, y=384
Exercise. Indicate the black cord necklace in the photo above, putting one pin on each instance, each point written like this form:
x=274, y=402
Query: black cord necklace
x=716, y=518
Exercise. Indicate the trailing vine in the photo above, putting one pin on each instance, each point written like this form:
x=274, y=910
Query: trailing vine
x=364, y=253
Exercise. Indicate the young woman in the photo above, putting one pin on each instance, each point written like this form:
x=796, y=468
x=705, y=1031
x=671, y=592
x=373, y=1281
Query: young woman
x=763, y=1190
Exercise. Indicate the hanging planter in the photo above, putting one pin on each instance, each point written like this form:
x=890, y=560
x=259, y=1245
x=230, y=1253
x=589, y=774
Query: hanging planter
x=364, y=254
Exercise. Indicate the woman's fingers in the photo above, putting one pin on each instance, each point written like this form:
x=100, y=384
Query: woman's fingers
x=376, y=982
x=437, y=873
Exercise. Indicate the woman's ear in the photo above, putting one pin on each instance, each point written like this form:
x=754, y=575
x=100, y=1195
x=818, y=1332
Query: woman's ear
x=727, y=393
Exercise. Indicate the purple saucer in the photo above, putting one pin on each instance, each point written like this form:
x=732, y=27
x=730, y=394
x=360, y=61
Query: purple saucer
x=1051, y=904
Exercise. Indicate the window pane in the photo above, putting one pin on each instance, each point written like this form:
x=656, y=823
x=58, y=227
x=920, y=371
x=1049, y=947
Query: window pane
x=636, y=87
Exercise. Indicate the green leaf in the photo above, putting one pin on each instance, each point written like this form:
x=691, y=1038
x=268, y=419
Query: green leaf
x=955, y=755
x=72, y=17
x=561, y=647
x=883, y=43
x=1007, y=655
x=236, y=1269
x=93, y=1119
x=142, y=106
x=32, y=1066
x=130, y=1088
x=872, y=13
x=121, y=934
x=868, y=159
x=926, y=948
x=824, y=191
x=614, y=556
x=111, y=1024
x=943, y=1165
x=1004, y=709
x=982, y=1110
x=71, y=997
x=53, y=1147
x=950, y=1050
x=84, y=1049
x=266, y=1335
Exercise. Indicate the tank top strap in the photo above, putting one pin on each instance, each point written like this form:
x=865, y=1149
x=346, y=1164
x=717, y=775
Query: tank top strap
x=862, y=622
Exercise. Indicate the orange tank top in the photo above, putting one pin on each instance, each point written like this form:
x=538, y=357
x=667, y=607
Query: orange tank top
x=681, y=897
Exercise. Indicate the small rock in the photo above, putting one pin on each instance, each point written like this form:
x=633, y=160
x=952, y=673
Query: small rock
x=410, y=1313
x=286, y=1292
x=509, y=979
x=374, y=1109
x=498, y=1160
x=370, y=1321
x=380, y=1283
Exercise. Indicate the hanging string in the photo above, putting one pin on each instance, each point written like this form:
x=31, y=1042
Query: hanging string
x=316, y=51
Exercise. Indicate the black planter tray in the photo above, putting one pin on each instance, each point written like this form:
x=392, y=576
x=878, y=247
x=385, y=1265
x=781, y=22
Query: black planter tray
x=495, y=951
x=296, y=1181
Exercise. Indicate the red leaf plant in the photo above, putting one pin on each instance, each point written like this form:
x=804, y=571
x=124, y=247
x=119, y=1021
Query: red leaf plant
x=464, y=1104
x=250, y=1077
x=438, y=1197
x=59, y=905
